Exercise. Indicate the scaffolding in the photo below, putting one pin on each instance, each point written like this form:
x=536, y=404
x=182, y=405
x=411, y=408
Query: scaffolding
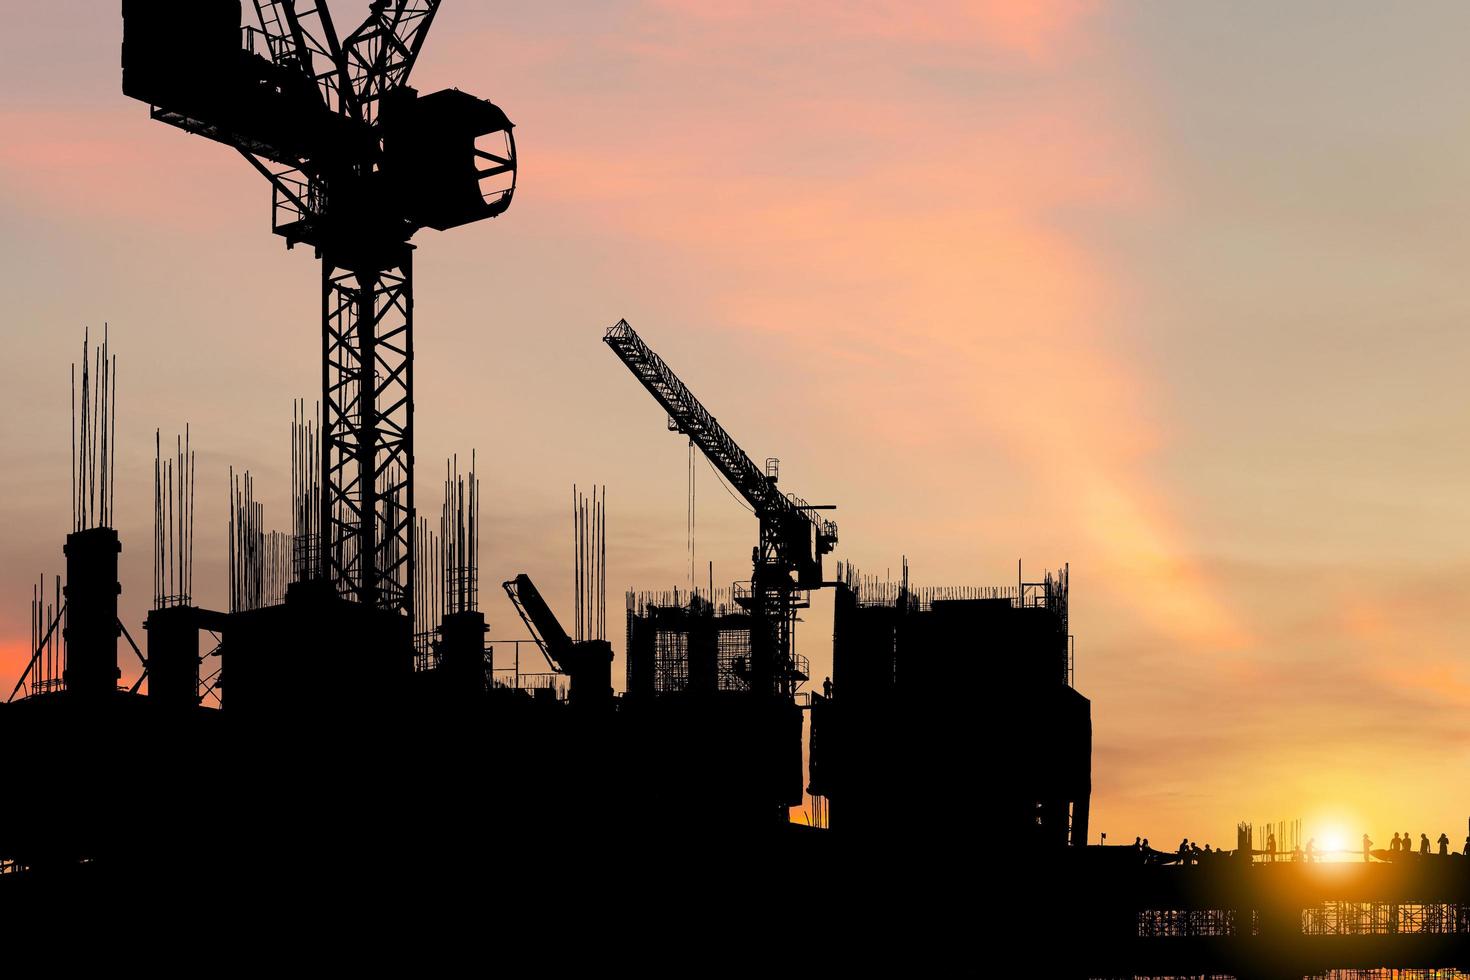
x=1044, y=603
x=1159, y=923
x=1051, y=593
x=1336, y=918
x=697, y=640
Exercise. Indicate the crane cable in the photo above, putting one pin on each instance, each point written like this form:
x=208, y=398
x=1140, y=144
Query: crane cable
x=689, y=474
x=724, y=485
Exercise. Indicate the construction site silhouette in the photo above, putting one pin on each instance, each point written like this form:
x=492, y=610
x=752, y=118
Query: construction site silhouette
x=344, y=719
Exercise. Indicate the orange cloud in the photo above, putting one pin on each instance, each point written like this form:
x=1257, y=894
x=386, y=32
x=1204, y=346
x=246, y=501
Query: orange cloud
x=1035, y=29
x=14, y=655
x=936, y=246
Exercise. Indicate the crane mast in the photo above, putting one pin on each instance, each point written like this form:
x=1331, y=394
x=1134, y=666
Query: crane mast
x=793, y=536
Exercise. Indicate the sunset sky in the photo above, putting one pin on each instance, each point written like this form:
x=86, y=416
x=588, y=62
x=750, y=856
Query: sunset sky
x=1165, y=291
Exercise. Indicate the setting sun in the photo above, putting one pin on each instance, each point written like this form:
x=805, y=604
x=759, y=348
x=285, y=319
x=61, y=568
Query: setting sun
x=1332, y=844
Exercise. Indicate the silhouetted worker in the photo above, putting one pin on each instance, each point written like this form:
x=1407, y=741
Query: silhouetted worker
x=1367, y=848
x=1444, y=845
x=1424, y=844
x=1394, y=845
x=1408, y=844
x=1271, y=844
x=1311, y=848
x=1467, y=846
x=1296, y=854
x=1138, y=843
x=1184, y=851
x=827, y=689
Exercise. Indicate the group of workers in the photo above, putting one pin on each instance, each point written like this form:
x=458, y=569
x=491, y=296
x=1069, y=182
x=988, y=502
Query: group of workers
x=1401, y=844
x=1405, y=845
x=1190, y=853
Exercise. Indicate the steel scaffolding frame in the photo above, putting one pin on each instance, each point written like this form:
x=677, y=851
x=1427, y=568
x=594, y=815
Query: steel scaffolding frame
x=1157, y=923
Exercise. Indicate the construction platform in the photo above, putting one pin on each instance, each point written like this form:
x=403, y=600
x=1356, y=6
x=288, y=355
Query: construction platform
x=1234, y=916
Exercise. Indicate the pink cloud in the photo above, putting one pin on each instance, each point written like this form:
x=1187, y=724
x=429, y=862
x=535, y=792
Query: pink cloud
x=116, y=164
x=1036, y=29
x=935, y=236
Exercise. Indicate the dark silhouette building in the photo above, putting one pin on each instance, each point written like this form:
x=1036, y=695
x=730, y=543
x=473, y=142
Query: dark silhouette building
x=955, y=698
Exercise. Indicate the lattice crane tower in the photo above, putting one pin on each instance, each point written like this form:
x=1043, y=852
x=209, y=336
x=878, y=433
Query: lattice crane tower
x=358, y=162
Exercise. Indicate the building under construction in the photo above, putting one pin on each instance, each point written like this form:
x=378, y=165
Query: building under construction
x=345, y=709
x=343, y=723
x=940, y=687
x=689, y=746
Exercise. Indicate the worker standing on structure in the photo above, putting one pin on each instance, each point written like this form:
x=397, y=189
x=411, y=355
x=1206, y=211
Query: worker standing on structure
x=1311, y=848
x=1444, y=845
x=1394, y=845
x=1367, y=848
x=1184, y=852
x=1424, y=844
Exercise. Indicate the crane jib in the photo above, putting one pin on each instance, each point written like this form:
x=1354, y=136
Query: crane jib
x=695, y=421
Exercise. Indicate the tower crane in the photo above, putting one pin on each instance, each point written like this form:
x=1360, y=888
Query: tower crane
x=357, y=161
x=794, y=537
